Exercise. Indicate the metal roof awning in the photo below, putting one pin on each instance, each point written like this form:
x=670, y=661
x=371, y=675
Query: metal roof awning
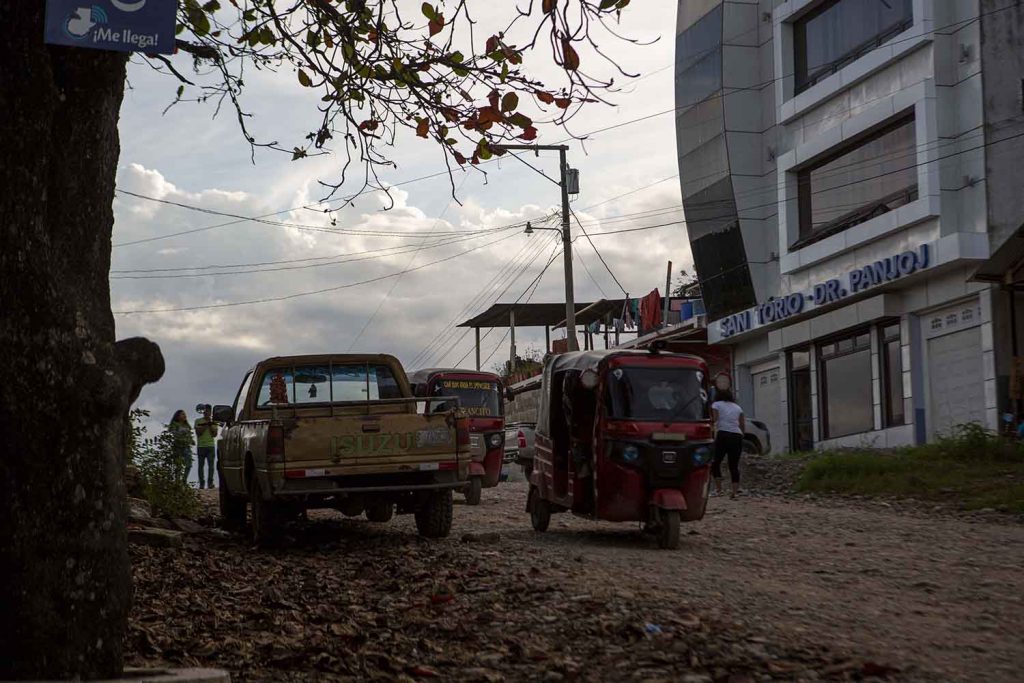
x=527, y=315
x=599, y=310
x=679, y=331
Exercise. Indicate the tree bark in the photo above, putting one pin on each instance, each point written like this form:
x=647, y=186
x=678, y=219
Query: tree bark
x=65, y=385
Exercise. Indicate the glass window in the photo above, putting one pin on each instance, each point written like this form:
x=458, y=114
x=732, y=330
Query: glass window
x=243, y=393
x=662, y=394
x=838, y=32
x=382, y=383
x=312, y=384
x=476, y=397
x=277, y=388
x=892, y=376
x=875, y=175
x=801, y=415
x=348, y=383
x=845, y=381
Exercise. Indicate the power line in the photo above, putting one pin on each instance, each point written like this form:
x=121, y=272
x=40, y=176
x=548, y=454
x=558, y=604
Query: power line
x=500, y=276
x=318, y=291
x=596, y=251
x=398, y=279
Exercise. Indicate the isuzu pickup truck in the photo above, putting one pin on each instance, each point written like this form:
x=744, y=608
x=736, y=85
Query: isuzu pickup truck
x=343, y=432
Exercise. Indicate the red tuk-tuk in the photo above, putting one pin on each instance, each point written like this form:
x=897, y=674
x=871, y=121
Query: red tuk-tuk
x=623, y=436
x=480, y=399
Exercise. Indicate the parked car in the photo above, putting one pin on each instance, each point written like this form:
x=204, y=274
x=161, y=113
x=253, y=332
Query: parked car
x=757, y=440
x=519, y=445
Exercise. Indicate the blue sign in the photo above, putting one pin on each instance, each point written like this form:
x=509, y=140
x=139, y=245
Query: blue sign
x=122, y=25
x=857, y=280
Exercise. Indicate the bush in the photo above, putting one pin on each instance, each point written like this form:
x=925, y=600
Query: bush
x=163, y=474
x=971, y=466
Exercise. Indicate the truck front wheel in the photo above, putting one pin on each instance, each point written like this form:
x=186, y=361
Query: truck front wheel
x=380, y=512
x=434, y=517
x=232, y=508
x=264, y=523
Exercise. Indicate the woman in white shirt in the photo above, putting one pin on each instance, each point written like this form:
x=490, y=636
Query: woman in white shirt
x=730, y=424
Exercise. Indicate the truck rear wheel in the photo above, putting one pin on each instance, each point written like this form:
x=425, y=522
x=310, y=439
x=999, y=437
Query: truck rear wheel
x=232, y=508
x=434, y=518
x=264, y=523
x=380, y=512
x=473, y=490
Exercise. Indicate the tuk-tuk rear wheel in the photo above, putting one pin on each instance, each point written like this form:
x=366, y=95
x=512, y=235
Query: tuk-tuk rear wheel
x=668, y=531
x=473, y=490
x=540, y=511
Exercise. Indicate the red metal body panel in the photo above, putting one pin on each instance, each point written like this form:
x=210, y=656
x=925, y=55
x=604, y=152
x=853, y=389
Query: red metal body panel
x=668, y=499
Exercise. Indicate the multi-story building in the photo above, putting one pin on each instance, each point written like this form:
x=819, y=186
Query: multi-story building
x=847, y=169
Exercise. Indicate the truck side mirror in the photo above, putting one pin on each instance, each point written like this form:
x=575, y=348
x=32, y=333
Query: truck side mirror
x=225, y=414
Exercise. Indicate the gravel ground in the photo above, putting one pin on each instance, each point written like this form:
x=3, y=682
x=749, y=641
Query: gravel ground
x=764, y=588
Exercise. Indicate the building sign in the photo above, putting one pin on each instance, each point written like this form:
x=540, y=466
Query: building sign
x=828, y=292
x=122, y=25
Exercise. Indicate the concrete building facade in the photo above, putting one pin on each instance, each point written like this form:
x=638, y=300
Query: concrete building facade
x=846, y=168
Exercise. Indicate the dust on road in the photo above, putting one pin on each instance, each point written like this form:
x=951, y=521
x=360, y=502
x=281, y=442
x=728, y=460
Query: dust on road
x=765, y=588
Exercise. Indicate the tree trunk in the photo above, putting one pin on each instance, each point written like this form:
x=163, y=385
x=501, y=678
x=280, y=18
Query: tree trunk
x=65, y=385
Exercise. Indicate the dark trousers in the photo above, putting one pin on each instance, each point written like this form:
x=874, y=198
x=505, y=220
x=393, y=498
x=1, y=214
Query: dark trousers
x=727, y=444
x=207, y=454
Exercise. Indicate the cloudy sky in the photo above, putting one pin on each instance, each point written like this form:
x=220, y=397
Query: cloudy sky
x=187, y=156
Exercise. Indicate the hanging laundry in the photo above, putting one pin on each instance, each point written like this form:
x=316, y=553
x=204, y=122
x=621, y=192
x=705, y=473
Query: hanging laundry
x=620, y=325
x=650, y=311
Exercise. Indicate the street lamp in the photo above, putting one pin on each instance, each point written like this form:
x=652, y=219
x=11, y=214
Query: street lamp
x=569, y=184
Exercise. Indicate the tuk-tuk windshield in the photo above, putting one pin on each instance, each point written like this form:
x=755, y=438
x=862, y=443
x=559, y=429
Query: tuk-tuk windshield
x=661, y=394
x=476, y=397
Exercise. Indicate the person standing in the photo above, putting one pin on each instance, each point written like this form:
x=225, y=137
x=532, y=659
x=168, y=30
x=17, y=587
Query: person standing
x=181, y=434
x=730, y=424
x=206, y=433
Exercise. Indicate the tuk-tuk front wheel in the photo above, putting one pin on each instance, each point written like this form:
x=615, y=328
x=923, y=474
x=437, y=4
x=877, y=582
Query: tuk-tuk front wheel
x=380, y=512
x=668, y=530
x=473, y=490
x=540, y=511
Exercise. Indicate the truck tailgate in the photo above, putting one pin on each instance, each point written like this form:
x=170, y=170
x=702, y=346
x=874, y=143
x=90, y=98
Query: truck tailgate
x=372, y=444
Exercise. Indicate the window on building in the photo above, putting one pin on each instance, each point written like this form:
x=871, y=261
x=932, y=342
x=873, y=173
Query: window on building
x=838, y=32
x=892, y=374
x=867, y=178
x=845, y=385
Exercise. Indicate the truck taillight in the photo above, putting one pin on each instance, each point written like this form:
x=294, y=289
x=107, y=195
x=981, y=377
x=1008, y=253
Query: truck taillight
x=521, y=438
x=275, y=442
x=462, y=433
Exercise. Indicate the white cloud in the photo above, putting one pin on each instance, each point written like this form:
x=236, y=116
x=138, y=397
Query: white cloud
x=208, y=351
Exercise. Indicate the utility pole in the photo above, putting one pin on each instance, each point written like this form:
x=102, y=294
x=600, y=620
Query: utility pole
x=564, y=173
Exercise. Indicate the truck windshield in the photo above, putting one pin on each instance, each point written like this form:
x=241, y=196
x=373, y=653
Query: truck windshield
x=662, y=394
x=476, y=397
x=313, y=384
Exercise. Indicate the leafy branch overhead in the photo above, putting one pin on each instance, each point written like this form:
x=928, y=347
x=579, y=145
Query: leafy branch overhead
x=380, y=66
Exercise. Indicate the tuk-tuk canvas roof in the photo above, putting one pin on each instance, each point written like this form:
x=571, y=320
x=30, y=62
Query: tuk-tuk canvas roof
x=590, y=360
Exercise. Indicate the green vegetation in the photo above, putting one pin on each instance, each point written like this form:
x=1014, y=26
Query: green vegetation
x=971, y=467
x=162, y=472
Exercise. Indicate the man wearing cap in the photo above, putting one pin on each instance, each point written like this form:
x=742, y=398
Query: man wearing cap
x=206, y=451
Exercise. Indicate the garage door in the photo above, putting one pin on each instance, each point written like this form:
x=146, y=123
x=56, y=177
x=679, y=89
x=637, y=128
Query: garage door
x=955, y=380
x=768, y=404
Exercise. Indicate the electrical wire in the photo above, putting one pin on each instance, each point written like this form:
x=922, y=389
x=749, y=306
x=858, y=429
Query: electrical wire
x=325, y=290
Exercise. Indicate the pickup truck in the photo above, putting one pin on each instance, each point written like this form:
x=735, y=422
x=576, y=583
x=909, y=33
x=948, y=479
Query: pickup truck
x=519, y=438
x=342, y=432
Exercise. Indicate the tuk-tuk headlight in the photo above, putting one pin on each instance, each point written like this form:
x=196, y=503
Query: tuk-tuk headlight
x=630, y=453
x=702, y=456
x=496, y=439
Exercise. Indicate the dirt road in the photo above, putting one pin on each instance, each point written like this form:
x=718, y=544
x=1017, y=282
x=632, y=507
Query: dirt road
x=765, y=588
